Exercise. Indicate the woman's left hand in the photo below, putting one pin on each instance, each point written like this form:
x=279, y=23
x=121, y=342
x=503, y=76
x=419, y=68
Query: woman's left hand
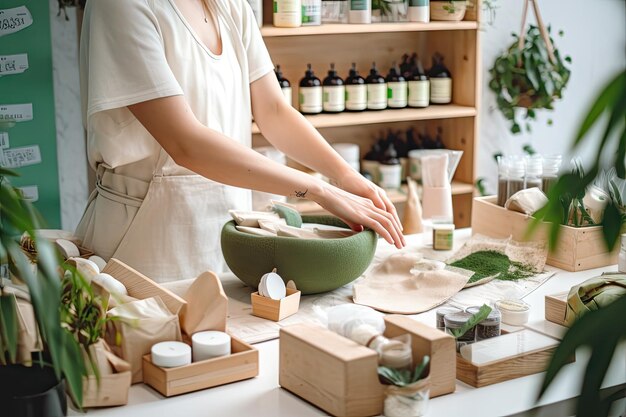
x=355, y=183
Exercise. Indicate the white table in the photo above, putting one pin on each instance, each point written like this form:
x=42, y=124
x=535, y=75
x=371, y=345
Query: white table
x=262, y=396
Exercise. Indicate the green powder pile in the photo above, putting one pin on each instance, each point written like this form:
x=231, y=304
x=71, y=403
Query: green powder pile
x=488, y=263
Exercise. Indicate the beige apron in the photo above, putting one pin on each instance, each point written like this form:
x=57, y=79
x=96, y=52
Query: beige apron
x=172, y=233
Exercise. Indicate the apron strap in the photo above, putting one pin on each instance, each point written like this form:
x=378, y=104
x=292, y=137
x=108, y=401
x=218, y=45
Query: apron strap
x=113, y=195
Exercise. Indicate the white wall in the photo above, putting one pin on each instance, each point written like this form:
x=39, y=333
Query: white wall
x=595, y=38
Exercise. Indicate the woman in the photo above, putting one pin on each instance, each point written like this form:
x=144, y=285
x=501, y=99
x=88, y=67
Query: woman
x=169, y=88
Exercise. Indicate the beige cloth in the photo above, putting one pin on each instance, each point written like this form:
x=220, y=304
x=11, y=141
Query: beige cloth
x=527, y=201
x=140, y=325
x=412, y=219
x=391, y=287
x=28, y=338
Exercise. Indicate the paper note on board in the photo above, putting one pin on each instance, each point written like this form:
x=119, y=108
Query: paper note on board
x=21, y=157
x=13, y=64
x=16, y=112
x=30, y=193
x=15, y=19
x=4, y=140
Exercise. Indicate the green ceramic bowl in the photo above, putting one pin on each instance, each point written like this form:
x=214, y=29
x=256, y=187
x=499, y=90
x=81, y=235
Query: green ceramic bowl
x=315, y=265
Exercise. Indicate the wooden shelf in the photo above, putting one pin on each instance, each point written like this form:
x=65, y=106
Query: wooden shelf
x=346, y=28
x=396, y=197
x=432, y=112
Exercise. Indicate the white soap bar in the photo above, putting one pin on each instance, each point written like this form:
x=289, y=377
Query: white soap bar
x=67, y=248
x=88, y=269
x=210, y=344
x=506, y=346
x=110, y=284
x=171, y=354
x=98, y=261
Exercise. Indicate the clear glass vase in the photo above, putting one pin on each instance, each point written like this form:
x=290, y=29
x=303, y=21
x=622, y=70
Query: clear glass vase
x=409, y=401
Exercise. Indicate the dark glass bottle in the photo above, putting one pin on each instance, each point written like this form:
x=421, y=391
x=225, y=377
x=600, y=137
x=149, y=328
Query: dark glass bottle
x=334, y=92
x=310, y=94
x=284, y=83
x=440, y=81
x=419, y=85
x=396, y=89
x=376, y=90
x=356, y=91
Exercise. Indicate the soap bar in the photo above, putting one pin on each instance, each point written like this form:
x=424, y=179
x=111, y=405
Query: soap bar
x=210, y=344
x=171, y=354
x=506, y=346
x=67, y=248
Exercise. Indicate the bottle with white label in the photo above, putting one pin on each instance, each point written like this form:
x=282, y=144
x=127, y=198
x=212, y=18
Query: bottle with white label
x=376, y=90
x=390, y=169
x=396, y=89
x=360, y=11
x=257, y=9
x=419, y=87
x=310, y=93
x=440, y=81
x=311, y=12
x=284, y=83
x=334, y=92
x=287, y=13
x=356, y=91
x=419, y=11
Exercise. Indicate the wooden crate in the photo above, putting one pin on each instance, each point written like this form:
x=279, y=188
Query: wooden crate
x=111, y=391
x=242, y=363
x=555, y=308
x=579, y=248
x=340, y=376
x=276, y=310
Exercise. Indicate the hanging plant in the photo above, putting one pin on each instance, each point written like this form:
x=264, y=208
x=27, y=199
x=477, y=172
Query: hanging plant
x=530, y=75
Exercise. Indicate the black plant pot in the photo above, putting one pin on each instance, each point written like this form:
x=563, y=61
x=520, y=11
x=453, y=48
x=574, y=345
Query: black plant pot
x=31, y=392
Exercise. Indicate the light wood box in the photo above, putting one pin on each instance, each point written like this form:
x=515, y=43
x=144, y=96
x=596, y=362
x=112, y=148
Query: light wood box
x=340, y=376
x=524, y=364
x=555, y=308
x=112, y=391
x=242, y=363
x=579, y=248
x=276, y=310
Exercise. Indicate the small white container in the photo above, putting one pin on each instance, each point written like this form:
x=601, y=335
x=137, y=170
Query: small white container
x=360, y=11
x=390, y=176
x=170, y=354
x=210, y=344
x=419, y=11
x=311, y=12
x=514, y=312
x=287, y=13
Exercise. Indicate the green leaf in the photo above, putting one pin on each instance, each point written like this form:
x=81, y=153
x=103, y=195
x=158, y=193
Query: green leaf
x=482, y=314
x=515, y=128
x=497, y=155
x=612, y=224
x=419, y=369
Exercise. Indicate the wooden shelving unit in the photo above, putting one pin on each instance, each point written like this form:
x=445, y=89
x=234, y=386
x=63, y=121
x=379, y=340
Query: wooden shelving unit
x=384, y=43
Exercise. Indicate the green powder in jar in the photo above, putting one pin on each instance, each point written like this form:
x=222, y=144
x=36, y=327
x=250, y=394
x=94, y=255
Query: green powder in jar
x=489, y=263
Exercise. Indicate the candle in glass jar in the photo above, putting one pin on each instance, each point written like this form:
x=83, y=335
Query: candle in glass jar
x=170, y=354
x=210, y=344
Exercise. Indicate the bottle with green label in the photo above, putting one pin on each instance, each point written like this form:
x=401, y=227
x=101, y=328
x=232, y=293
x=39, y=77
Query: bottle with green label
x=360, y=11
x=376, y=90
x=396, y=89
x=334, y=92
x=284, y=83
x=310, y=94
x=419, y=11
x=311, y=12
x=356, y=91
x=419, y=86
x=287, y=13
x=440, y=81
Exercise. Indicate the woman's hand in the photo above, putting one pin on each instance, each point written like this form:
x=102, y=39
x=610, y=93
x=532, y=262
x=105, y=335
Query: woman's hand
x=357, y=211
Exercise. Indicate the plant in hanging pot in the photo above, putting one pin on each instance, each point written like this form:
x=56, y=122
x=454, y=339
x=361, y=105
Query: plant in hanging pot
x=407, y=392
x=35, y=364
x=529, y=76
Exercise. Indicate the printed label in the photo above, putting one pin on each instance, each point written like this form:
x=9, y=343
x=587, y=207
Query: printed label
x=30, y=193
x=287, y=94
x=356, y=97
x=15, y=19
x=419, y=94
x=311, y=12
x=376, y=96
x=396, y=94
x=311, y=99
x=13, y=64
x=440, y=90
x=359, y=4
x=16, y=112
x=21, y=157
x=4, y=140
x=287, y=6
x=334, y=98
x=419, y=3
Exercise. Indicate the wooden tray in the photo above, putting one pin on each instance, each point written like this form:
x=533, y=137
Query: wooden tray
x=579, y=248
x=242, y=363
x=276, y=310
x=111, y=391
x=555, y=308
x=340, y=376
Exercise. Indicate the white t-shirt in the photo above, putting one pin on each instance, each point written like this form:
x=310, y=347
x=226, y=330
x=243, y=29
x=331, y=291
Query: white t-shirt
x=137, y=50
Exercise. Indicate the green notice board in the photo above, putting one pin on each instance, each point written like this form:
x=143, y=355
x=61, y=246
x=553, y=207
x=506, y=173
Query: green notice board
x=27, y=98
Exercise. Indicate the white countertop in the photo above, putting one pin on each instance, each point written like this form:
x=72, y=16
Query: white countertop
x=262, y=396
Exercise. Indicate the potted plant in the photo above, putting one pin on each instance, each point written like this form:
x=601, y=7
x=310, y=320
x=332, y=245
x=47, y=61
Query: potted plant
x=34, y=386
x=448, y=10
x=408, y=392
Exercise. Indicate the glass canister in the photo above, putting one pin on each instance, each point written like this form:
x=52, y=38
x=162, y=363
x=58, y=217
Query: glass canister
x=489, y=327
x=441, y=313
x=550, y=174
x=503, y=178
x=516, y=173
x=534, y=171
x=456, y=321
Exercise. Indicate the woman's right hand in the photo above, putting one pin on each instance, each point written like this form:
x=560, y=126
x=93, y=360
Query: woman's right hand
x=358, y=212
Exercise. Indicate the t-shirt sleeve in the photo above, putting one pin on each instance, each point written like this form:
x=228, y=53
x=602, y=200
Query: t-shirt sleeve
x=259, y=61
x=125, y=61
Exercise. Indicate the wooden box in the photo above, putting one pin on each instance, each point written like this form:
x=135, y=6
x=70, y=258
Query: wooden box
x=524, y=364
x=340, y=376
x=579, y=248
x=242, y=363
x=112, y=391
x=276, y=310
x=555, y=308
